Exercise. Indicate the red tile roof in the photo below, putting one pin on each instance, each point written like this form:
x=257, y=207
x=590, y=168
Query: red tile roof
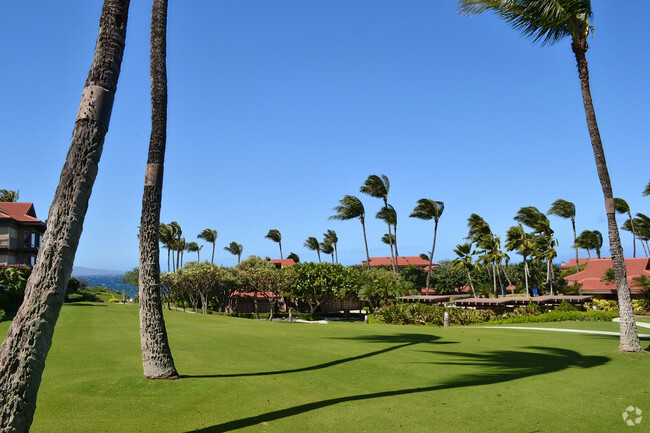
x=22, y=212
x=283, y=263
x=402, y=261
x=591, y=277
x=572, y=263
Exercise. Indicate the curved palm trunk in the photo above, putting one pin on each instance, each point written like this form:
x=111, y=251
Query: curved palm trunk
x=336, y=252
x=433, y=249
x=214, y=244
x=395, y=236
x=365, y=241
x=471, y=284
x=629, y=341
x=575, y=238
x=23, y=352
x=280, y=243
x=392, y=254
x=526, y=276
x=157, y=360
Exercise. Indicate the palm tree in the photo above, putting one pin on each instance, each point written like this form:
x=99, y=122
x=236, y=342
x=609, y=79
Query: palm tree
x=464, y=262
x=622, y=207
x=235, y=249
x=193, y=247
x=533, y=218
x=550, y=22
x=567, y=210
x=590, y=240
x=210, y=236
x=327, y=248
x=176, y=242
x=350, y=208
x=479, y=232
x=8, y=195
x=275, y=236
x=312, y=244
x=295, y=257
x=24, y=351
x=646, y=191
x=157, y=358
x=639, y=230
x=524, y=243
x=388, y=215
x=333, y=239
x=428, y=209
x=379, y=187
x=166, y=237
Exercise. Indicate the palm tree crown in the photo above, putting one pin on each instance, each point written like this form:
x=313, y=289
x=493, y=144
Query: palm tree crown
x=210, y=236
x=313, y=244
x=428, y=209
x=235, y=249
x=275, y=236
x=567, y=210
x=351, y=207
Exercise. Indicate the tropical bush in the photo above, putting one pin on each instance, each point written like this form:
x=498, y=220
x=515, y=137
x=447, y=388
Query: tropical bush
x=2, y=315
x=641, y=305
x=423, y=314
x=559, y=316
x=566, y=306
x=602, y=304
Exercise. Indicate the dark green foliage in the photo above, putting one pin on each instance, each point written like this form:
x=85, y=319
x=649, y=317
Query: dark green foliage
x=2, y=315
x=82, y=296
x=417, y=277
x=131, y=277
x=313, y=283
x=75, y=284
x=566, y=306
x=13, y=279
x=445, y=279
x=561, y=316
x=423, y=314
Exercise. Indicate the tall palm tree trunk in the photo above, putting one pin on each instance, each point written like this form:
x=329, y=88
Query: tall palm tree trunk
x=280, y=244
x=157, y=361
x=365, y=242
x=214, y=245
x=392, y=254
x=575, y=238
x=433, y=249
x=23, y=352
x=471, y=284
x=629, y=341
x=526, y=276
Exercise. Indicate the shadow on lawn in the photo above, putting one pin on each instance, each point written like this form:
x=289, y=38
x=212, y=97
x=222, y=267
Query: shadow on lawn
x=400, y=341
x=501, y=366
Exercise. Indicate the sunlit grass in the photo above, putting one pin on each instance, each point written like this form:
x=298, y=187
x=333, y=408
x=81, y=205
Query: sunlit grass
x=255, y=376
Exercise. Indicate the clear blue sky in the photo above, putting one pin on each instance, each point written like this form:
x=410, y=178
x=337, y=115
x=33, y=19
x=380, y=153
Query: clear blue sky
x=278, y=109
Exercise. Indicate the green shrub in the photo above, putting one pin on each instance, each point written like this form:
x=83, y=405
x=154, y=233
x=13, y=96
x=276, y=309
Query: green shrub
x=560, y=316
x=566, y=306
x=423, y=314
x=4, y=301
x=113, y=300
x=2, y=315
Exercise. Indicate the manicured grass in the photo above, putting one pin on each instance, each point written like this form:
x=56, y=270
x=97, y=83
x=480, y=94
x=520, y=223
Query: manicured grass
x=252, y=376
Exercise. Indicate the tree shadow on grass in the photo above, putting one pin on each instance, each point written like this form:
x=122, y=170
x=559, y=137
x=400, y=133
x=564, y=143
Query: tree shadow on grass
x=399, y=340
x=501, y=365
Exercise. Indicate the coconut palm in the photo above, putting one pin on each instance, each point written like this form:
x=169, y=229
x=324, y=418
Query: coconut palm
x=378, y=187
x=235, y=249
x=590, y=240
x=327, y=248
x=166, y=237
x=333, y=239
x=388, y=215
x=24, y=351
x=622, y=207
x=567, y=210
x=176, y=242
x=350, y=208
x=646, y=191
x=531, y=216
x=489, y=245
x=210, y=236
x=524, y=243
x=428, y=209
x=275, y=236
x=8, y=195
x=550, y=21
x=312, y=244
x=295, y=257
x=157, y=359
x=193, y=247
x=464, y=262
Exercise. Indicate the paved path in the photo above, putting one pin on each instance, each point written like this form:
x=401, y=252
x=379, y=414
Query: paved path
x=578, y=331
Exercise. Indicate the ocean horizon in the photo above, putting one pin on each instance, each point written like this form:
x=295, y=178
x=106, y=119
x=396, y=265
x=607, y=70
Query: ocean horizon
x=109, y=281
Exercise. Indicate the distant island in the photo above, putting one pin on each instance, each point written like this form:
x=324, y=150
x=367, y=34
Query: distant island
x=79, y=271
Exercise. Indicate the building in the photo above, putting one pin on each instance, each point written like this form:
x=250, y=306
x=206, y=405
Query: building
x=590, y=280
x=21, y=233
x=283, y=263
x=402, y=262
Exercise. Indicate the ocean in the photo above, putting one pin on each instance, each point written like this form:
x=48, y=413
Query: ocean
x=111, y=282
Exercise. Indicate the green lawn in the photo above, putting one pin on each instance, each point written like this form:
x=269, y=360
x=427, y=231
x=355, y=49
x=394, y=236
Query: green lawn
x=246, y=375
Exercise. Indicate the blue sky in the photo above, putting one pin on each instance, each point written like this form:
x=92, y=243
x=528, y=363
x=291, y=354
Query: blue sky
x=278, y=109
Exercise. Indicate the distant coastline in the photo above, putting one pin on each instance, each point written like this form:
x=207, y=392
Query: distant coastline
x=110, y=280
